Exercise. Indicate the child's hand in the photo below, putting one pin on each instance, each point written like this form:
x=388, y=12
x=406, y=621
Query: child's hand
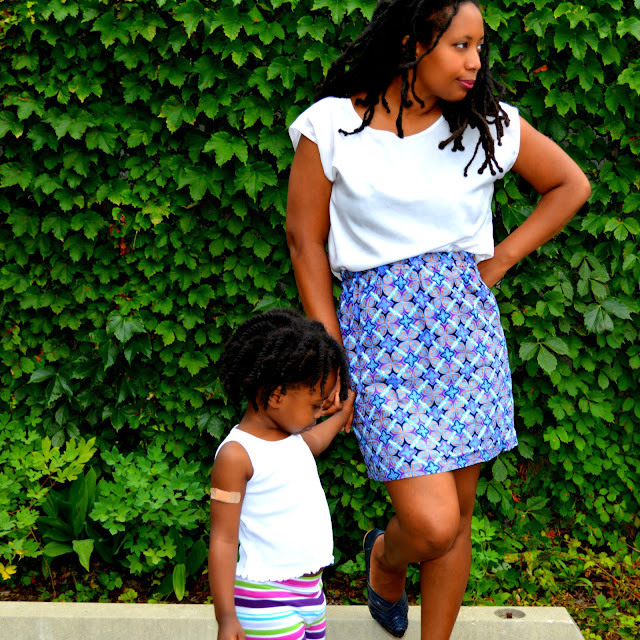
x=230, y=630
x=345, y=407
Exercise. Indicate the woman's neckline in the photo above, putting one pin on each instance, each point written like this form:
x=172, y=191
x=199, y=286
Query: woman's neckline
x=395, y=133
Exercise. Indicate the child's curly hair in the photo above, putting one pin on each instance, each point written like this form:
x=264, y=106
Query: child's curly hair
x=280, y=348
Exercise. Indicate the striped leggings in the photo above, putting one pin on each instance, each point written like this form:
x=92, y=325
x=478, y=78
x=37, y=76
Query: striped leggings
x=288, y=610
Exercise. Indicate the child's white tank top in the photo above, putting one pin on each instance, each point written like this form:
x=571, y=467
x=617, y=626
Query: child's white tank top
x=285, y=525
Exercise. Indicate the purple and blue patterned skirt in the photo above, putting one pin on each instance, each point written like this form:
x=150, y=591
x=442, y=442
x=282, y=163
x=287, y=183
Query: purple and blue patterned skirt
x=428, y=359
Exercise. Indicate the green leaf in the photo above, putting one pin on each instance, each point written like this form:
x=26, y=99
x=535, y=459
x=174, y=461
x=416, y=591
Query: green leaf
x=58, y=224
x=201, y=295
x=253, y=177
x=631, y=76
x=179, y=580
x=315, y=26
x=176, y=113
x=535, y=503
x=175, y=72
x=190, y=14
x=83, y=548
x=55, y=549
x=84, y=86
x=198, y=554
x=547, y=361
x=110, y=29
x=60, y=10
x=12, y=173
x=42, y=374
x=138, y=344
x=208, y=72
x=597, y=320
x=499, y=470
x=193, y=362
x=337, y=8
x=104, y=139
x=493, y=494
x=617, y=308
x=230, y=20
x=166, y=330
x=226, y=147
x=89, y=222
x=123, y=327
x=525, y=450
x=8, y=123
x=553, y=440
x=557, y=344
x=564, y=101
x=320, y=51
x=212, y=424
x=528, y=350
x=284, y=69
x=629, y=25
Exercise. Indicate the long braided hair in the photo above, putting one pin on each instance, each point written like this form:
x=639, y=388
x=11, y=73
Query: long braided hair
x=377, y=55
x=280, y=348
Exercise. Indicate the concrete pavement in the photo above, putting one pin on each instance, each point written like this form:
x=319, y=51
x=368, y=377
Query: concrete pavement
x=79, y=621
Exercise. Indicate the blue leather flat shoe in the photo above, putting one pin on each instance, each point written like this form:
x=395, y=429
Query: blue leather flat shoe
x=393, y=618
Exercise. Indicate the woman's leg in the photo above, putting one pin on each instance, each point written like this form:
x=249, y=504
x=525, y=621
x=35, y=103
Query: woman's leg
x=432, y=526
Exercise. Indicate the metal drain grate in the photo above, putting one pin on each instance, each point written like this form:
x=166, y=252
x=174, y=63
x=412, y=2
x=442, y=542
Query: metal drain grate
x=509, y=614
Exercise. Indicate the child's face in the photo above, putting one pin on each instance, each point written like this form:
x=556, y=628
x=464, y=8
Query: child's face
x=449, y=71
x=302, y=406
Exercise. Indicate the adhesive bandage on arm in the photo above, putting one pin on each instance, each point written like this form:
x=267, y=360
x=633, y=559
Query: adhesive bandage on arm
x=230, y=497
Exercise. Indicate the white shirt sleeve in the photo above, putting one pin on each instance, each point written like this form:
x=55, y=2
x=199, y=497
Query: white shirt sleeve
x=507, y=151
x=317, y=124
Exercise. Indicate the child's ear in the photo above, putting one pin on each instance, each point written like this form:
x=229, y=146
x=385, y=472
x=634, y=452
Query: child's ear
x=276, y=398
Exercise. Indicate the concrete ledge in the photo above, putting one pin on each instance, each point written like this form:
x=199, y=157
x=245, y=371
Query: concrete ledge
x=77, y=621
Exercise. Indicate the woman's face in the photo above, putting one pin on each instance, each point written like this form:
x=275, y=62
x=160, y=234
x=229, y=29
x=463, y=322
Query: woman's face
x=449, y=71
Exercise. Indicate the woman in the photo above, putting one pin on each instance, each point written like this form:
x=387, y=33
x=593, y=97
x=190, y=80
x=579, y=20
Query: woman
x=394, y=169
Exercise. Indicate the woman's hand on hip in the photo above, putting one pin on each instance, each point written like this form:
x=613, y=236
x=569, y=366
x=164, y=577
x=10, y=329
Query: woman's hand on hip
x=491, y=271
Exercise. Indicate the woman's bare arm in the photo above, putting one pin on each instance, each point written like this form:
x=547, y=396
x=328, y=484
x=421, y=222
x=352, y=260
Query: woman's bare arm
x=307, y=232
x=564, y=189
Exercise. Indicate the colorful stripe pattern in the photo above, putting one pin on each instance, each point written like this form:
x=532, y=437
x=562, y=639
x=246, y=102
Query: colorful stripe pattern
x=287, y=610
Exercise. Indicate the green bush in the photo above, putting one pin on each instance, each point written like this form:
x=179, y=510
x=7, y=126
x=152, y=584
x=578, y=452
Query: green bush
x=143, y=174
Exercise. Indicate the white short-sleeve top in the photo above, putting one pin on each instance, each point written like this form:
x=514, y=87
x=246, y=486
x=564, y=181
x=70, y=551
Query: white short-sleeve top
x=394, y=198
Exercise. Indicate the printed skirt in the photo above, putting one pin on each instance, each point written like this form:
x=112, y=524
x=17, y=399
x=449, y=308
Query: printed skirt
x=428, y=360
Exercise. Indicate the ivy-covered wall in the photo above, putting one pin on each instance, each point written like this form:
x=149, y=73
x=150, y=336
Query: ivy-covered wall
x=143, y=173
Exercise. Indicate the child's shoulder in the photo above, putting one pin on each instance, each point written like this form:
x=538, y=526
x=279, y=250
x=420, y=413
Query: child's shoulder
x=232, y=458
x=231, y=448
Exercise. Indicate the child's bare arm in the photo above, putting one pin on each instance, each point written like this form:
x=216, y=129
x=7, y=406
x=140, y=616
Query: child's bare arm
x=231, y=471
x=319, y=437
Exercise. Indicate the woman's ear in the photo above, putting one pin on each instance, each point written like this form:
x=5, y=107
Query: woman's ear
x=420, y=50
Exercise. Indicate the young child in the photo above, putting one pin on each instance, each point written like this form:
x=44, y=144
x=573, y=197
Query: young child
x=265, y=489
